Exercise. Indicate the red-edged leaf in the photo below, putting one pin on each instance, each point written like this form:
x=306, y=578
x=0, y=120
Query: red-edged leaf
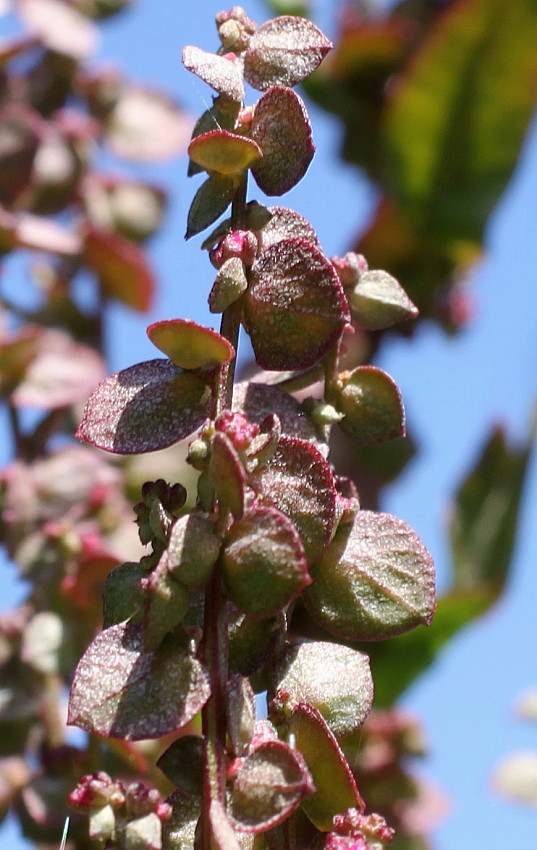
x=193, y=548
x=61, y=372
x=227, y=475
x=223, y=152
x=299, y=482
x=295, y=307
x=146, y=126
x=189, y=345
x=375, y=580
x=286, y=224
x=264, y=562
x=219, y=72
x=282, y=130
x=335, y=679
x=372, y=406
x=270, y=783
x=141, y=694
x=336, y=789
x=284, y=51
x=121, y=267
x=144, y=408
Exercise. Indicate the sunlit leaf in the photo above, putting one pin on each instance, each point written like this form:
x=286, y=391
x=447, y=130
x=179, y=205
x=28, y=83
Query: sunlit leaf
x=189, y=345
x=284, y=51
x=223, y=152
x=372, y=406
x=220, y=72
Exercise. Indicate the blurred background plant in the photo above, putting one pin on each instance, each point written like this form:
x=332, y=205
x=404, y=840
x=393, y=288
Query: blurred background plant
x=434, y=100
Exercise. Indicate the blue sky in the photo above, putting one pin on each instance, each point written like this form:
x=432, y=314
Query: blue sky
x=454, y=389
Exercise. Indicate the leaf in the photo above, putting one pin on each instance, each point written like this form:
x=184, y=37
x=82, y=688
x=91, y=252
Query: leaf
x=226, y=474
x=270, y=783
x=210, y=201
x=220, y=72
x=42, y=234
x=295, y=307
x=193, y=549
x=146, y=126
x=485, y=514
x=375, y=580
x=453, y=131
x=372, y=406
x=21, y=133
x=335, y=679
x=284, y=51
x=60, y=27
x=282, y=130
x=166, y=603
x=230, y=283
x=142, y=694
x=123, y=597
x=379, y=301
x=180, y=830
x=60, y=373
x=286, y=224
x=298, y=481
x=263, y=562
x=336, y=789
x=223, y=152
x=121, y=267
x=182, y=763
x=144, y=408
x=189, y=345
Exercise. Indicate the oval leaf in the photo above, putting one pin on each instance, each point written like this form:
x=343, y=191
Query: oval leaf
x=189, y=345
x=60, y=27
x=336, y=789
x=263, y=562
x=282, y=130
x=144, y=408
x=219, y=72
x=379, y=301
x=299, y=482
x=295, y=307
x=146, y=126
x=372, y=406
x=121, y=266
x=286, y=224
x=210, y=201
x=375, y=580
x=335, y=679
x=284, y=51
x=223, y=152
x=142, y=694
x=270, y=783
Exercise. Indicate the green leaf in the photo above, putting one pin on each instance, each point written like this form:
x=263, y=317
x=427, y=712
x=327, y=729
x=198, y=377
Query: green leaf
x=372, y=406
x=378, y=301
x=123, y=597
x=224, y=152
x=485, y=514
x=144, y=408
x=142, y=694
x=166, y=605
x=210, y=201
x=226, y=474
x=193, y=549
x=189, y=345
x=336, y=789
x=376, y=580
x=182, y=763
x=454, y=129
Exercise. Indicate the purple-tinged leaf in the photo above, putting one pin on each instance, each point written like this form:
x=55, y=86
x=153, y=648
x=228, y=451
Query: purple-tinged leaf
x=141, y=694
x=223, y=152
x=146, y=126
x=42, y=234
x=335, y=786
x=263, y=562
x=270, y=783
x=282, y=130
x=60, y=27
x=144, y=408
x=372, y=406
x=226, y=474
x=60, y=373
x=121, y=266
x=284, y=51
x=334, y=679
x=295, y=307
x=189, y=345
x=379, y=301
x=299, y=482
x=375, y=580
x=223, y=74
x=210, y=201
x=258, y=401
x=286, y=224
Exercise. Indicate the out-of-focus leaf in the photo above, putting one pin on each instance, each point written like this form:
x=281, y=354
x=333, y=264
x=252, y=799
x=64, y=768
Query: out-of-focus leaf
x=144, y=408
x=121, y=267
x=516, y=778
x=189, y=345
x=146, y=126
x=61, y=27
x=142, y=694
x=21, y=131
x=457, y=119
x=485, y=514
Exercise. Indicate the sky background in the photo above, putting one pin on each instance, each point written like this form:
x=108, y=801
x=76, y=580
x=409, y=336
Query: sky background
x=454, y=390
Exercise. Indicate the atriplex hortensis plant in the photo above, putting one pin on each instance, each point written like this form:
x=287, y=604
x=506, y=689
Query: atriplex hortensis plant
x=265, y=584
